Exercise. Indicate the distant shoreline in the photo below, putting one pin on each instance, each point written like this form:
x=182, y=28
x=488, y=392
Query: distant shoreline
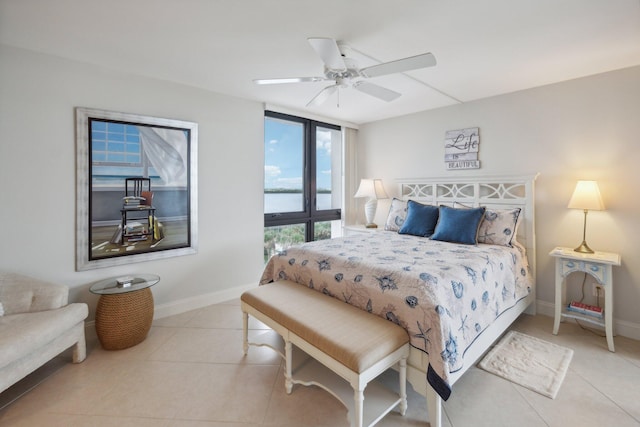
x=292, y=191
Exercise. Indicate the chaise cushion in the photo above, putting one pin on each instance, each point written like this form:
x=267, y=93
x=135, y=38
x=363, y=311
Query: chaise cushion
x=22, y=294
x=317, y=318
x=25, y=333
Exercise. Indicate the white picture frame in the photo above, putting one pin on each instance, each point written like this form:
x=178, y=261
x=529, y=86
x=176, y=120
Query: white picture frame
x=104, y=158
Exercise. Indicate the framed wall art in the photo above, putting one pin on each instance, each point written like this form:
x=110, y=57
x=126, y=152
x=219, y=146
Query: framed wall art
x=461, y=149
x=136, y=194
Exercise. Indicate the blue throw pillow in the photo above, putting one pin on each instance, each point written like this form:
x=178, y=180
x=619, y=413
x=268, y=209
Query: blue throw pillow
x=421, y=219
x=458, y=225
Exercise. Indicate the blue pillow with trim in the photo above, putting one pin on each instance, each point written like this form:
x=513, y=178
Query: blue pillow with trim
x=421, y=219
x=458, y=225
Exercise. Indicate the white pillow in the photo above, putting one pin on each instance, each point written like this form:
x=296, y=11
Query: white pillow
x=397, y=215
x=499, y=226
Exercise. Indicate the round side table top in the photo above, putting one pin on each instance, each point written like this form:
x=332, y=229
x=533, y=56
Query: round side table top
x=123, y=284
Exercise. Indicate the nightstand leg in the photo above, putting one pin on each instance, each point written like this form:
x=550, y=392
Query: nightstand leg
x=608, y=308
x=609, y=329
x=559, y=299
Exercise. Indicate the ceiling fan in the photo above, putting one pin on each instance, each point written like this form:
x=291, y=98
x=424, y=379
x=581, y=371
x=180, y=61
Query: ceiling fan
x=344, y=71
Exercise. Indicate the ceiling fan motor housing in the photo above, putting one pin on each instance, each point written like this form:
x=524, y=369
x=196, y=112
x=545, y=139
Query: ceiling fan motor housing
x=345, y=74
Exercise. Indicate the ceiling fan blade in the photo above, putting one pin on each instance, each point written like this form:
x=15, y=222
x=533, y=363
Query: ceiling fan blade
x=289, y=80
x=376, y=91
x=323, y=95
x=400, y=65
x=328, y=51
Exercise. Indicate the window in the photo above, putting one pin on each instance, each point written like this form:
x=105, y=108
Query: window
x=302, y=181
x=117, y=153
x=115, y=143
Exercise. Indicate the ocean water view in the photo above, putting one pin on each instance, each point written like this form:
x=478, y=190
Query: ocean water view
x=292, y=202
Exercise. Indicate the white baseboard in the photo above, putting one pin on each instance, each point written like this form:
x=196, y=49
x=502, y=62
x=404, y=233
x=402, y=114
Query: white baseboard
x=620, y=327
x=193, y=303
x=90, y=330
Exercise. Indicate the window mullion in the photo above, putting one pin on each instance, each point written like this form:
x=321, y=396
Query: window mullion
x=284, y=223
x=311, y=177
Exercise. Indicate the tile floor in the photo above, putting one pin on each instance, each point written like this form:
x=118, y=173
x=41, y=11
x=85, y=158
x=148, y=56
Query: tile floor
x=190, y=372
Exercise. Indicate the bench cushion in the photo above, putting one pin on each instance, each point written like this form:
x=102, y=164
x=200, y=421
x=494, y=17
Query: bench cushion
x=319, y=320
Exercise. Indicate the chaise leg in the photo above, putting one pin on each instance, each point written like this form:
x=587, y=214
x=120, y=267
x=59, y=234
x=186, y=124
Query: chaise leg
x=288, y=361
x=434, y=407
x=80, y=350
x=403, y=386
x=245, y=332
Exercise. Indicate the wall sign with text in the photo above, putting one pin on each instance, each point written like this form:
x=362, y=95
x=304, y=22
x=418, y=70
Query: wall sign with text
x=461, y=149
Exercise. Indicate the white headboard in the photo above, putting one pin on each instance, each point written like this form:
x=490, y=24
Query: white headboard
x=499, y=192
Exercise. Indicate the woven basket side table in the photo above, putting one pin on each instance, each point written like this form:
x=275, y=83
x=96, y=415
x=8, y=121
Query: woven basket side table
x=124, y=312
x=124, y=320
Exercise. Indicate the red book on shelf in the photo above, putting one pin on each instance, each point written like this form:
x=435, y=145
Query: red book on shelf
x=580, y=307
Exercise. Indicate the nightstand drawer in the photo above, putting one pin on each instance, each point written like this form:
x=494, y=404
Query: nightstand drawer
x=596, y=270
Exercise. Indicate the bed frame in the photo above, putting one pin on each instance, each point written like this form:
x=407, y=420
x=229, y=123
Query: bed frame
x=500, y=192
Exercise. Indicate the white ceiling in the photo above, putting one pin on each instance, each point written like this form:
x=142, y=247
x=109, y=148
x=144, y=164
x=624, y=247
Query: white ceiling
x=483, y=47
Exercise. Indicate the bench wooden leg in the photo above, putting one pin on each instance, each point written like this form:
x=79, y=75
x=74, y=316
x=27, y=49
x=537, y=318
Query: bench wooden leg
x=358, y=395
x=403, y=386
x=245, y=332
x=288, y=361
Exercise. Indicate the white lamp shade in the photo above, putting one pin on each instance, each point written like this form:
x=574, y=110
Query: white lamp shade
x=586, y=196
x=372, y=189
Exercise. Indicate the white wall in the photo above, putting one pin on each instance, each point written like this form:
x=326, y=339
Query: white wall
x=38, y=94
x=580, y=129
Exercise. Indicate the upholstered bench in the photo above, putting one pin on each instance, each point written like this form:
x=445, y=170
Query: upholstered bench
x=353, y=344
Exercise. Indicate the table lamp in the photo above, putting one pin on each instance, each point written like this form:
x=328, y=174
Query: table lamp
x=373, y=190
x=586, y=196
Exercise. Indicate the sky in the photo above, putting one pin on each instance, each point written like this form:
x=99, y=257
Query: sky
x=284, y=155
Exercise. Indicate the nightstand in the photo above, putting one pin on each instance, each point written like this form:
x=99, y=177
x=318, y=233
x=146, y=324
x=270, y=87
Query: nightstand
x=599, y=265
x=354, y=229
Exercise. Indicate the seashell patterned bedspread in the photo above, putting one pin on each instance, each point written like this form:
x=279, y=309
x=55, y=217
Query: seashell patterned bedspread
x=443, y=294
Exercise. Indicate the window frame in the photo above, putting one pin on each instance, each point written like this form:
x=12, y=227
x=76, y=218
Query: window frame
x=309, y=215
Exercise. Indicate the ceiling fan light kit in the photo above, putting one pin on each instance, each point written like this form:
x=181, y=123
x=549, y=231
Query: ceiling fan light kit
x=344, y=72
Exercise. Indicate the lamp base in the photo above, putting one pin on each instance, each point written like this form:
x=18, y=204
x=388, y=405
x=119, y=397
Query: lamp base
x=370, y=212
x=584, y=248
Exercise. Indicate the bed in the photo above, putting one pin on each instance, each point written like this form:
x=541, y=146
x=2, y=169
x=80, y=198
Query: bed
x=454, y=299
